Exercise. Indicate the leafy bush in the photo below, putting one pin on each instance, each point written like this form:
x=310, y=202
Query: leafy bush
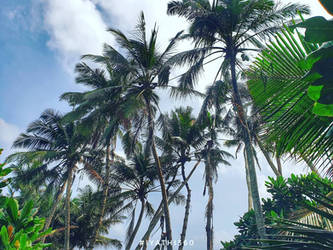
x=299, y=205
x=20, y=229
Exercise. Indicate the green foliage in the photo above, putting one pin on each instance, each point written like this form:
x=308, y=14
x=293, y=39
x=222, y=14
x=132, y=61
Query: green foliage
x=295, y=235
x=20, y=229
x=85, y=209
x=279, y=81
x=297, y=204
x=3, y=172
x=320, y=30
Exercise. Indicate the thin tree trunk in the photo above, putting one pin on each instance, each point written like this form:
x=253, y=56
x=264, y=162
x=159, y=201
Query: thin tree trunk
x=187, y=210
x=247, y=141
x=278, y=162
x=68, y=208
x=158, y=212
x=311, y=166
x=48, y=221
x=108, y=161
x=160, y=176
x=248, y=183
x=209, y=215
x=137, y=226
x=267, y=157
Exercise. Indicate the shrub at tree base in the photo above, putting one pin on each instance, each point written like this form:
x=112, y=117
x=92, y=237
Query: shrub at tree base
x=20, y=229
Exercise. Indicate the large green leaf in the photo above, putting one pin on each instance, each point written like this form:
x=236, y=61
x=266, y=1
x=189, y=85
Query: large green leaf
x=288, y=83
x=321, y=79
x=4, y=236
x=12, y=209
x=318, y=29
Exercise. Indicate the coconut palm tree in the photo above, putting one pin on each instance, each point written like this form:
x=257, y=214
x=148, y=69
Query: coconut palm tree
x=84, y=212
x=228, y=29
x=143, y=69
x=50, y=141
x=104, y=109
x=137, y=179
x=213, y=156
x=181, y=139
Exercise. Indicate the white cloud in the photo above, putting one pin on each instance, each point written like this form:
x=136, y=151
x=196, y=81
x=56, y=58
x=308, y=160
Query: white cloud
x=8, y=133
x=75, y=27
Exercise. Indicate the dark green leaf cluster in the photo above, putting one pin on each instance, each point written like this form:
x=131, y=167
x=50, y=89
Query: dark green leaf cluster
x=297, y=203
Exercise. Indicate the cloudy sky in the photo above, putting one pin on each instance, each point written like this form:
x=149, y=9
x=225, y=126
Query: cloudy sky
x=40, y=42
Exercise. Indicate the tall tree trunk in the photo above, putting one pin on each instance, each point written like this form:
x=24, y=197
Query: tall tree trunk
x=187, y=210
x=109, y=158
x=209, y=214
x=267, y=156
x=247, y=141
x=137, y=226
x=48, y=221
x=278, y=162
x=68, y=208
x=248, y=183
x=158, y=212
x=160, y=174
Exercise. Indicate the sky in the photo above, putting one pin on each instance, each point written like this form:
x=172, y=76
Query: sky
x=40, y=43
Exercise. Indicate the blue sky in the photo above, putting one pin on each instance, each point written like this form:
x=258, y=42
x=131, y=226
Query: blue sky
x=40, y=42
x=31, y=77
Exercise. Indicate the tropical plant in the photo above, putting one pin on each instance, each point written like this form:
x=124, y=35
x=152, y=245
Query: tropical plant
x=279, y=89
x=319, y=30
x=213, y=156
x=218, y=99
x=20, y=229
x=224, y=28
x=85, y=210
x=137, y=180
x=103, y=109
x=297, y=203
x=3, y=173
x=143, y=69
x=50, y=141
x=182, y=140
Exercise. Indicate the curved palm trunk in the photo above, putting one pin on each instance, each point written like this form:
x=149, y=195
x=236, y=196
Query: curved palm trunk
x=248, y=183
x=311, y=166
x=48, y=221
x=209, y=215
x=137, y=226
x=267, y=157
x=68, y=208
x=278, y=161
x=108, y=161
x=247, y=141
x=160, y=175
x=187, y=210
x=158, y=212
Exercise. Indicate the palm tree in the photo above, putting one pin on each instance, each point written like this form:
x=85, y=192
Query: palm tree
x=143, y=68
x=52, y=142
x=137, y=180
x=181, y=139
x=103, y=108
x=213, y=156
x=224, y=28
x=84, y=212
